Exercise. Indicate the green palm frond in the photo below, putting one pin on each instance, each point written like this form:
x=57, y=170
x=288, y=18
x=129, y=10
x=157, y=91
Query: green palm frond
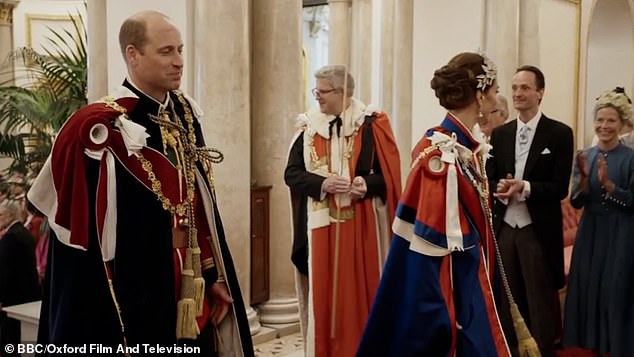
x=53, y=85
x=11, y=146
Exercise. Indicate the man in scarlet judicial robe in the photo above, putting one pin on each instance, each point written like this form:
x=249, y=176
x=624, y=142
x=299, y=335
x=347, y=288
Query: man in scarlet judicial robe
x=344, y=176
x=138, y=254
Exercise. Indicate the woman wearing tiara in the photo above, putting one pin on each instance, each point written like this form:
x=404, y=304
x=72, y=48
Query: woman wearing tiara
x=435, y=296
x=599, y=311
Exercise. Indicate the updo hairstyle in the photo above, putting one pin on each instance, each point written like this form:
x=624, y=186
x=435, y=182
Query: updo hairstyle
x=616, y=99
x=456, y=83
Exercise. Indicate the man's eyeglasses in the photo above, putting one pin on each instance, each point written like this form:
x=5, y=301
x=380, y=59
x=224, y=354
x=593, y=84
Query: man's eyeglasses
x=321, y=92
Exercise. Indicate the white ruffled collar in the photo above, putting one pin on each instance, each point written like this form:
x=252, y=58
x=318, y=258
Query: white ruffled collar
x=316, y=122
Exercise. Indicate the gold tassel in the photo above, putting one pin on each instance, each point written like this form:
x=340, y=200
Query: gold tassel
x=199, y=282
x=186, y=325
x=195, y=251
x=199, y=295
x=187, y=278
x=525, y=342
x=183, y=143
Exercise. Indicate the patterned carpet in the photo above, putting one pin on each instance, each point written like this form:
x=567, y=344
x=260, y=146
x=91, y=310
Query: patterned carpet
x=291, y=346
x=288, y=346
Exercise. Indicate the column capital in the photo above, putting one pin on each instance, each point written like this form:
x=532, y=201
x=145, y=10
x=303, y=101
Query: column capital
x=6, y=11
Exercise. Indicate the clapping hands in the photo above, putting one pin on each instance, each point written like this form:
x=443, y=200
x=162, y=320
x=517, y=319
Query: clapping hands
x=602, y=173
x=582, y=164
x=508, y=187
x=584, y=171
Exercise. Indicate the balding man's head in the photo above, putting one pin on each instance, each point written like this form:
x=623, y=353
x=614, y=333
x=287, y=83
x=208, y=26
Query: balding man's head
x=134, y=29
x=497, y=117
x=153, y=50
x=503, y=108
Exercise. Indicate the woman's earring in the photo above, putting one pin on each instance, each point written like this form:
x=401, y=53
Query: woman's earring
x=480, y=100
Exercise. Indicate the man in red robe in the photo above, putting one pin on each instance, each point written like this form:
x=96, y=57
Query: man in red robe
x=344, y=175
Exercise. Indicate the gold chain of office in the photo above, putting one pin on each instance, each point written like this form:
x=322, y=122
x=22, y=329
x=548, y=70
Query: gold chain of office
x=188, y=154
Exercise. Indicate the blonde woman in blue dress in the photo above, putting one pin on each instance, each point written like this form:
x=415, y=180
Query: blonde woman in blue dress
x=599, y=312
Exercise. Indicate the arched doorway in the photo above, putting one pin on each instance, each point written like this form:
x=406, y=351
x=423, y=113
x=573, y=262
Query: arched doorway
x=610, y=61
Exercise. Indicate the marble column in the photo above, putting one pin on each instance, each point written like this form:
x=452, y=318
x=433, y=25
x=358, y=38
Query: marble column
x=277, y=98
x=221, y=32
x=98, y=53
x=501, y=40
x=386, y=58
x=528, y=36
x=402, y=85
x=254, y=320
x=6, y=38
x=360, y=48
x=339, y=41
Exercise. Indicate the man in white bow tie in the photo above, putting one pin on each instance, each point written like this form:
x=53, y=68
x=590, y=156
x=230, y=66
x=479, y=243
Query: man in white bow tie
x=530, y=172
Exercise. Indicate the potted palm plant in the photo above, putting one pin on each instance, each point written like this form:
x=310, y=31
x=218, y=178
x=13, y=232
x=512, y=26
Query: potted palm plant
x=55, y=82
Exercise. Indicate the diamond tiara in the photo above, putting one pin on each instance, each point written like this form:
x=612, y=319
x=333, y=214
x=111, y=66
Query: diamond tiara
x=487, y=78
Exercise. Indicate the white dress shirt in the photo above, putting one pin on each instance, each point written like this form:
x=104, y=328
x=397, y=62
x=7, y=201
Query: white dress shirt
x=517, y=212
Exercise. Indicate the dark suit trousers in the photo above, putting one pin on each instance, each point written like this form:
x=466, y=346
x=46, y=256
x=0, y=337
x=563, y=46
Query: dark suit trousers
x=531, y=285
x=9, y=334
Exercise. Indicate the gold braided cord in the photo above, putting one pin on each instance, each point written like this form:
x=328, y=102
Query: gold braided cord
x=527, y=345
x=116, y=304
x=110, y=102
x=157, y=188
x=183, y=141
x=424, y=153
x=187, y=154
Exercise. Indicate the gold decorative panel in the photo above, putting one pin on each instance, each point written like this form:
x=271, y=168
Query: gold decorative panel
x=39, y=26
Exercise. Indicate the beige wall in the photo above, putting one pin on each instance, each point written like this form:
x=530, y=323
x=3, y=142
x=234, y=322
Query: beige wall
x=442, y=29
x=607, y=55
x=512, y=32
x=558, y=59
